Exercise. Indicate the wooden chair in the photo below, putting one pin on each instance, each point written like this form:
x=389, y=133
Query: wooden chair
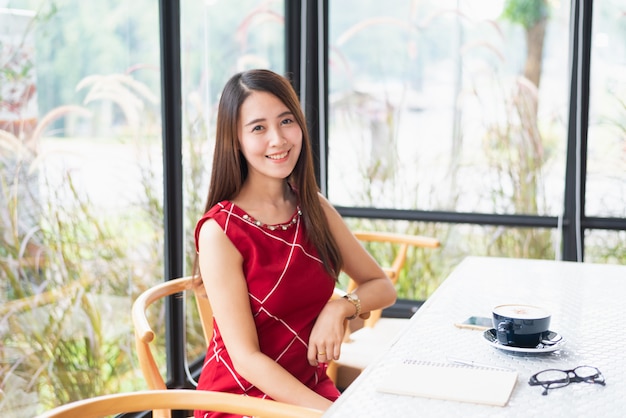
x=144, y=334
x=179, y=399
x=367, y=339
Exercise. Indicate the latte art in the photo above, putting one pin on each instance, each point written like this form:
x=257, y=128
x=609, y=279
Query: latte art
x=521, y=311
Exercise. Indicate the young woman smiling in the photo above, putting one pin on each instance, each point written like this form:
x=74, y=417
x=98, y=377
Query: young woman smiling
x=270, y=248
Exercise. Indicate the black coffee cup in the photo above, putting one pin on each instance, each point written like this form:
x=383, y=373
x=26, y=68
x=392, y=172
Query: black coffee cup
x=520, y=325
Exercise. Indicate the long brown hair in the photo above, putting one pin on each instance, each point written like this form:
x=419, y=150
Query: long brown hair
x=230, y=168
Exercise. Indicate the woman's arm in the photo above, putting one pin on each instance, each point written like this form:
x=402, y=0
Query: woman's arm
x=374, y=289
x=221, y=269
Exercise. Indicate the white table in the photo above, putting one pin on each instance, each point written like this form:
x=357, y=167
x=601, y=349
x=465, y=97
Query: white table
x=588, y=305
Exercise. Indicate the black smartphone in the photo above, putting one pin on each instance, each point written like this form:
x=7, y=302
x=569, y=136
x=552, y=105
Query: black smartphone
x=476, y=322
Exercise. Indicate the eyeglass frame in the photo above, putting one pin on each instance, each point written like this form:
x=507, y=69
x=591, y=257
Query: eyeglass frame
x=570, y=379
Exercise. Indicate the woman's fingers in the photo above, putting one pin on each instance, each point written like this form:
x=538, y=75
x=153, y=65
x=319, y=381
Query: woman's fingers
x=330, y=352
x=325, y=354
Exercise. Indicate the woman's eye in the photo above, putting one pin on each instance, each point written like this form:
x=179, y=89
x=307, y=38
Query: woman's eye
x=287, y=121
x=257, y=128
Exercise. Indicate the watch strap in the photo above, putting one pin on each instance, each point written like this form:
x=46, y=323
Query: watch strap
x=353, y=299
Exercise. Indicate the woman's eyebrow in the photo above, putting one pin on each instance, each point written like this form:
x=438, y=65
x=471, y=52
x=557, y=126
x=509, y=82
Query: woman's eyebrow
x=253, y=121
x=257, y=120
x=285, y=113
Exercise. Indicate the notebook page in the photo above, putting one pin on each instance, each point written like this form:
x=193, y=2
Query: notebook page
x=450, y=382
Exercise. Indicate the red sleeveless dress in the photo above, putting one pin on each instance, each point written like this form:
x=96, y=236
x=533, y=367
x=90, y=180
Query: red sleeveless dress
x=288, y=287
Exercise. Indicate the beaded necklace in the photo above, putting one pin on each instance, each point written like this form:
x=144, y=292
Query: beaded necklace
x=284, y=227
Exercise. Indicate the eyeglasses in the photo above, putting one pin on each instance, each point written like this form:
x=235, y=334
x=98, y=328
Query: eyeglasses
x=555, y=378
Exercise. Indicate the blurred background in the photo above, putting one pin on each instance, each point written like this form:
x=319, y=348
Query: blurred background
x=497, y=127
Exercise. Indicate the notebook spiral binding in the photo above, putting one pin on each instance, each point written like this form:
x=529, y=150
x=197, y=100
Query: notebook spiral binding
x=451, y=365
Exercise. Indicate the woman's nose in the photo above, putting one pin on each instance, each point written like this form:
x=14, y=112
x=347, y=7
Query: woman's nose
x=276, y=138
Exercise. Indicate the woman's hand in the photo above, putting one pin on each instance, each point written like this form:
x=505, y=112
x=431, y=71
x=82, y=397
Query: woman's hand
x=328, y=332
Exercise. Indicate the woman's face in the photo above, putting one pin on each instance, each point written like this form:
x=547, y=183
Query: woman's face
x=269, y=136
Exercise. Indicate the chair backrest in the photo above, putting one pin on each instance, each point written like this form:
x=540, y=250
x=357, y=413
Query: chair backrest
x=393, y=269
x=144, y=333
x=179, y=399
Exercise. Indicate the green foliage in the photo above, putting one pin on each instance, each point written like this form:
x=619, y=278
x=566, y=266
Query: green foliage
x=515, y=147
x=606, y=247
x=517, y=154
x=526, y=12
x=65, y=268
x=62, y=349
x=69, y=265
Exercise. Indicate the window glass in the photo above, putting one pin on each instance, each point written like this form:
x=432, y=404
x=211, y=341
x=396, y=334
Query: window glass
x=442, y=105
x=605, y=246
x=426, y=268
x=80, y=186
x=606, y=163
x=81, y=169
x=219, y=39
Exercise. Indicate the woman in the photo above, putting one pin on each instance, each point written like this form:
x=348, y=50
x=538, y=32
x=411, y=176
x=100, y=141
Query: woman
x=270, y=248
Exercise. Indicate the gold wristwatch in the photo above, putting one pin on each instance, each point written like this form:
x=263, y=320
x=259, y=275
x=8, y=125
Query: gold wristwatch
x=354, y=299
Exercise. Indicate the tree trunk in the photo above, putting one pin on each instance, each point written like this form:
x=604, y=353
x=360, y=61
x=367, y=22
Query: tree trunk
x=534, y=42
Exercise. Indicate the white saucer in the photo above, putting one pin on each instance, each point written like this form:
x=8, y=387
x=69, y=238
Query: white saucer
x=558, y=342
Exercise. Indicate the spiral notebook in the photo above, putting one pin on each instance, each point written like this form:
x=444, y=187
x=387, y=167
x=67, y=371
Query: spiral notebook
x=449, y=381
